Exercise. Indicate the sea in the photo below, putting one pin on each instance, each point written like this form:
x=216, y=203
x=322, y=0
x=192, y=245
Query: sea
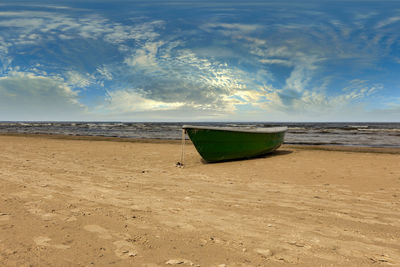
x=312, y=133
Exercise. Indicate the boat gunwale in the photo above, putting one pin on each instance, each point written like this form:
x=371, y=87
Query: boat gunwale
x=239, y=129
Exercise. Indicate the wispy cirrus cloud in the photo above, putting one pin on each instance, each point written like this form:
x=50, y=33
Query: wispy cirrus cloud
x=388, y=21
x=231, y=28
x=29, y=25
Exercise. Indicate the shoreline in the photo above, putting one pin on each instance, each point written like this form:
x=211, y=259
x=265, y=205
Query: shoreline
x=340, y=148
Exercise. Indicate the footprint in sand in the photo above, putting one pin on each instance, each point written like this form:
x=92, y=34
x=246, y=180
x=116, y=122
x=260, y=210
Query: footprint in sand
x=103, y=233
x=124, y=249
x=4, y=216
x=44, y=242
x=71, y=219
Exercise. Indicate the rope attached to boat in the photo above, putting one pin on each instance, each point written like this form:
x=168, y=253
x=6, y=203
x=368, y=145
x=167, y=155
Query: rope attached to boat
x=180, y=164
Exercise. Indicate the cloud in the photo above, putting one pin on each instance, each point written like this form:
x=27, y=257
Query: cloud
x=130, y=101
x=284, y=62
x=388, y=21
x=30, y=27
x=231, y=29
x=234, y=26
x=26, y=96
x=179, y=75
x=45, y=6
x=314, y=104
x=104, y=72
x=301, y=74
x=4, y=58
x=76, y=79
x=146, y=56
x=140, y=32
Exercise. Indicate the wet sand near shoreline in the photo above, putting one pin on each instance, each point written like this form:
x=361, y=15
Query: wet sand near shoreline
x=98, y=202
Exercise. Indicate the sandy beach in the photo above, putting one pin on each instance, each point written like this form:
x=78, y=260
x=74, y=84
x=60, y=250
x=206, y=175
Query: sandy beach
x=70, y=202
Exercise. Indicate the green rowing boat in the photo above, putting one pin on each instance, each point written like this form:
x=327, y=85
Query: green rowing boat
x=229, y=143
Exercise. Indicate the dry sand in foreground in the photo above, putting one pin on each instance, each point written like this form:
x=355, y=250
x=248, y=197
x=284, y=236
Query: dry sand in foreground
x=79, y=202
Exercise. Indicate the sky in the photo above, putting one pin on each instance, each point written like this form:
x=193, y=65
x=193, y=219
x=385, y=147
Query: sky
x=125, y=60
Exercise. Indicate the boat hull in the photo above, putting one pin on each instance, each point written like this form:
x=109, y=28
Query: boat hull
x=223, y=145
